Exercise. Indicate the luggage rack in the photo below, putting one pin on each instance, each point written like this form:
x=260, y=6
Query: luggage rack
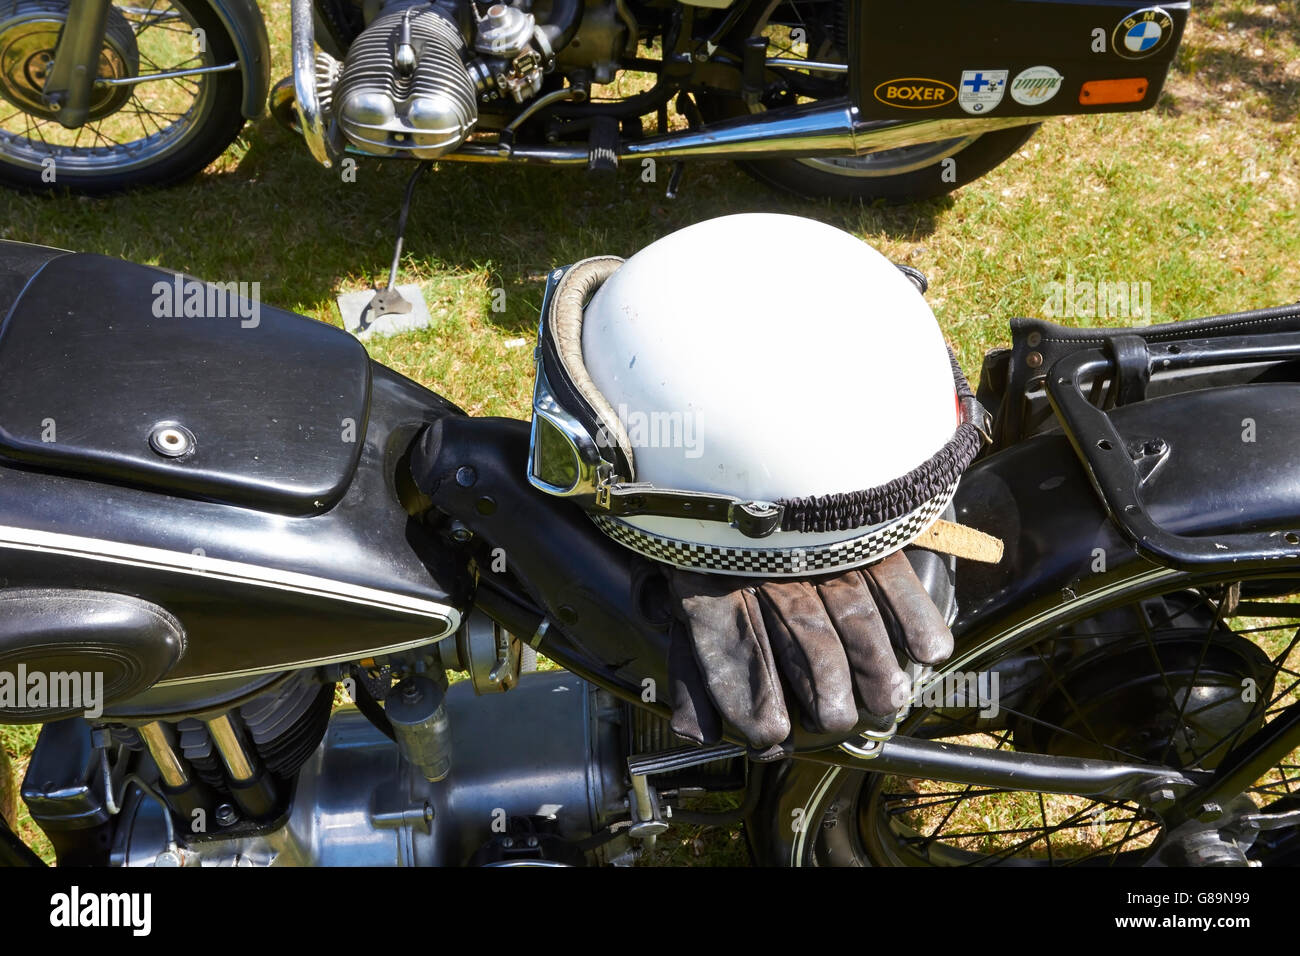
x=1117, y=477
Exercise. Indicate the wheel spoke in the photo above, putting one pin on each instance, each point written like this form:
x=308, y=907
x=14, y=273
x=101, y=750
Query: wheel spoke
x=948, y=816
x=1196, y=672
x=1042, y=812
x=1044, y=829
x=1119, y=845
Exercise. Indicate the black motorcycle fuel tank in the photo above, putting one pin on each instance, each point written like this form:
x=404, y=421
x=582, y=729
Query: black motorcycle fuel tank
x=226, y=461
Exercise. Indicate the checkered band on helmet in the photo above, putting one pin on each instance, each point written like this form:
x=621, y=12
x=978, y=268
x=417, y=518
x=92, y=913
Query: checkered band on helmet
x=763, y=562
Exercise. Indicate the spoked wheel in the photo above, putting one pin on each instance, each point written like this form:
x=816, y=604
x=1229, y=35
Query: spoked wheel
x=139, y=131
x=813, y=31
x=1177, y=677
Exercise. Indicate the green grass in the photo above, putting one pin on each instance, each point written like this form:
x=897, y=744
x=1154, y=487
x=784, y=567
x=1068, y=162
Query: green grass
x=1198, y=197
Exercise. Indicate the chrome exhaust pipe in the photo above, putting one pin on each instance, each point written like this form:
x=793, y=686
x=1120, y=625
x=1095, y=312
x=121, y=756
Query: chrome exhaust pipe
x=311, y=121
x=820, y=130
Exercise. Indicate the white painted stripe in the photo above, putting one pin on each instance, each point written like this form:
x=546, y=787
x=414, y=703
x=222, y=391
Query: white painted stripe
x=203, y=566
x=353, y=655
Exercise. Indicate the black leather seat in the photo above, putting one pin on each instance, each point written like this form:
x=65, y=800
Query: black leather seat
x=99, y=354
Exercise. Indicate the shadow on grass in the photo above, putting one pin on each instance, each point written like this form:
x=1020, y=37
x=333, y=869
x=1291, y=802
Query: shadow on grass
x=276, y=217
x=1212, y=64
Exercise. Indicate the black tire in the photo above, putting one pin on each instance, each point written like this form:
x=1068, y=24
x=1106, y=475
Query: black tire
x=213, y=128
x=969, y=163
x=896, y=176
x=816, y=815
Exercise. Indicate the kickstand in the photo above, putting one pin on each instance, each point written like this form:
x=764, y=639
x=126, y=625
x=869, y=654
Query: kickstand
x=388, y=301
x=694, y=119
x=675, y=180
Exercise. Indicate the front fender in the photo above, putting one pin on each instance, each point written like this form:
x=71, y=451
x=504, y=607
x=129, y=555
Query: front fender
x=1233, y=465
x=243, y=21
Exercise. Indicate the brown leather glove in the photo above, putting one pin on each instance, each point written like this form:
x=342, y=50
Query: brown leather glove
x=830, y=640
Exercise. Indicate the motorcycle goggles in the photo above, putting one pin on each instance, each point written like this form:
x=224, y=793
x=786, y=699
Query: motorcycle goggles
x=579, y=449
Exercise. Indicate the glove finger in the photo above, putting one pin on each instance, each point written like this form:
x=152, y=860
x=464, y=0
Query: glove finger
x=880, y=683
x=731, y=648
x=694, y=716
x=917, y=626
x=810, y=655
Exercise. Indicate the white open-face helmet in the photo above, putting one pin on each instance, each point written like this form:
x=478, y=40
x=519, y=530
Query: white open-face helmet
x=757, y=395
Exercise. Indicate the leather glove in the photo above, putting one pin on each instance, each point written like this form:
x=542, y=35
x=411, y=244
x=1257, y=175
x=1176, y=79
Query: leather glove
x=829, y=640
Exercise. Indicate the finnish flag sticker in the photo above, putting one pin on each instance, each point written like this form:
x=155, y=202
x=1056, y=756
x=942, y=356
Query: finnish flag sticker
x=981, y=90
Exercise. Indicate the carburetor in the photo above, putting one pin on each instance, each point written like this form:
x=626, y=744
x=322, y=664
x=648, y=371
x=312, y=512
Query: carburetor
x=515, y=54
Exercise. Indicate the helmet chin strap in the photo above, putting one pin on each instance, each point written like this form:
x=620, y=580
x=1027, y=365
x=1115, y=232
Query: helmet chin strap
x=754, y=519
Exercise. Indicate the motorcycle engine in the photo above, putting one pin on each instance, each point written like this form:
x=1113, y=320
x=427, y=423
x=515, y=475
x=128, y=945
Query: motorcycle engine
x=410, y=83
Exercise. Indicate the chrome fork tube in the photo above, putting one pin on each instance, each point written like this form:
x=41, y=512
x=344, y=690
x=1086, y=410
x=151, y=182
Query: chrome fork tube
x=76, y=61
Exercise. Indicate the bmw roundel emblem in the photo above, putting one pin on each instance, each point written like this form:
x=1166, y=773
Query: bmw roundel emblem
x=1143, y=33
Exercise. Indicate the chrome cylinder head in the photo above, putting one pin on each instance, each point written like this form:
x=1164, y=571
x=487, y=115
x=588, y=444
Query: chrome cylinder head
x=404, y=88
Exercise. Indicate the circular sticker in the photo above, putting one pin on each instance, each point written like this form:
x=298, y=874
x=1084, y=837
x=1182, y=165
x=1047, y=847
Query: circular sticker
x=1036, y=85
x=1142, y=34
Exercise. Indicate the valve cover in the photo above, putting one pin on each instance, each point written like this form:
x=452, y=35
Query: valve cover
x=404, y=88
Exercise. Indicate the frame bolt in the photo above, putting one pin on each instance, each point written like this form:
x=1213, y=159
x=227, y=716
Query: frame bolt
x=1209, y=812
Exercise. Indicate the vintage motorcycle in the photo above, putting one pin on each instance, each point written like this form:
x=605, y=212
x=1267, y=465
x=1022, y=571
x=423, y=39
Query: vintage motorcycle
x=819, y=97
x=237, y=522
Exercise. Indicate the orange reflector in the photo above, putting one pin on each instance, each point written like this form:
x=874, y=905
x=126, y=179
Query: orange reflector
x=1097, y=92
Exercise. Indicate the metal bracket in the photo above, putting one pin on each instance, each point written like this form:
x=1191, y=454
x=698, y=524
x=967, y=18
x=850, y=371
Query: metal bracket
x=1117, y=479
x=754, y=519
x=648, y=815
x=392, y=808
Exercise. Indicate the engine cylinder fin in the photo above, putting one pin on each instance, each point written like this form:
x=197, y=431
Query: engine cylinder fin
x=426, y=114
x=196, y=746
x=287, y=726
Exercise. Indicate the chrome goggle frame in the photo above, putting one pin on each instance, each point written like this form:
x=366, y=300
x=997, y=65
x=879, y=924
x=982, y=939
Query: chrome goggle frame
x=565, y=460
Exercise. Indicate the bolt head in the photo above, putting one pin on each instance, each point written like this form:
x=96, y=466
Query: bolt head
x=1209, y=812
